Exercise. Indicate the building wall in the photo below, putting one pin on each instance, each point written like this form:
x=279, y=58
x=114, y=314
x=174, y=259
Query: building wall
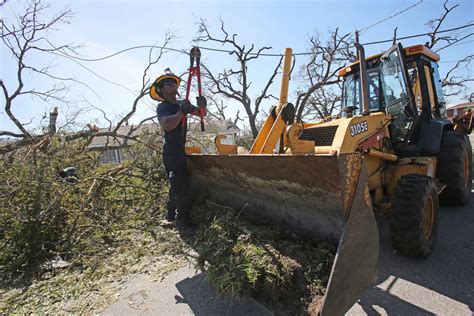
x=119, y=154
x=453, y=112
x=111, y=155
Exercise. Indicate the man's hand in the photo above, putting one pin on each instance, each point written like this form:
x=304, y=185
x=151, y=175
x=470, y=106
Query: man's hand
x=201, y=102
x=186, y=106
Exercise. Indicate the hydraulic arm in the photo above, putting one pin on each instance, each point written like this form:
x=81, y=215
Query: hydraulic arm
x=280, y=116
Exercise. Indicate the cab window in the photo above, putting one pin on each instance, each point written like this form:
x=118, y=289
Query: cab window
x=439, y=89
x=352, y=91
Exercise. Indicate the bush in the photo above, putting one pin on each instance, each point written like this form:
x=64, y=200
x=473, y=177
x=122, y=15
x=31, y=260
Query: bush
x=42, y=216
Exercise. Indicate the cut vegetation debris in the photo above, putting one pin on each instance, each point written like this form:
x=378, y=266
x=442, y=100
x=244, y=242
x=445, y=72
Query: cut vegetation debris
x=285, y=273
x=88, y=288
x=276, y=268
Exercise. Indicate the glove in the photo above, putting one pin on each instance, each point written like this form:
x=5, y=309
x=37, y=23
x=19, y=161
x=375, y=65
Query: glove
x=201, y=102
x=186, y=107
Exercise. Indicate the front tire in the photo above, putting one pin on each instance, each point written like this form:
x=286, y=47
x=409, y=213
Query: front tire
x=455, y=168
x=414, y=215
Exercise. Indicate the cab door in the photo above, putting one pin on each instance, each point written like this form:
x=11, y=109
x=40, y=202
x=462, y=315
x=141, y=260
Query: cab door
x=398, y=95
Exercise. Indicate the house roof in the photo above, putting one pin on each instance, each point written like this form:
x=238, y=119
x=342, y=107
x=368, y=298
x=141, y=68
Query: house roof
x=130, y=130
x=213, y=127
x=5, y=141
x=462, y=106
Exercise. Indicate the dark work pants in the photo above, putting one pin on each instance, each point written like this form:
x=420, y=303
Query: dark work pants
x=179, y=200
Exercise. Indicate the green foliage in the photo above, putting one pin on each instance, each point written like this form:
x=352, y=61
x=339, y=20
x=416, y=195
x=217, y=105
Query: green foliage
x=243, y=258
x=42, y=216
x=245, y=139
x=149, y=249
x=94, y=222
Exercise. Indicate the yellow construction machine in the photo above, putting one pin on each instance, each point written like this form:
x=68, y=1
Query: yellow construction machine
x=390, y=150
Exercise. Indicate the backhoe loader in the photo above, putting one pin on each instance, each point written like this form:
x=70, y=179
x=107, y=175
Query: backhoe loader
x=390, y=150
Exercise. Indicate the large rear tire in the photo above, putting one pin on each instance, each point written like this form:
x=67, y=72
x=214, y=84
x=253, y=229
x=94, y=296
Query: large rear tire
x=455, y=168
x=414, y=215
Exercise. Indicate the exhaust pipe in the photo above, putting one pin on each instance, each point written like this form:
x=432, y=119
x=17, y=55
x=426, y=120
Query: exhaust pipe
x=364, y=96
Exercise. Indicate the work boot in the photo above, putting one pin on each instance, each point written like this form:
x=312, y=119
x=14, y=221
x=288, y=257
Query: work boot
x=184, y=223
x=167, y=224
x=171, y=215
x=169, y=220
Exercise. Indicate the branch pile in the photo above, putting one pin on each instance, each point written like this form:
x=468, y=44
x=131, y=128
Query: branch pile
x=259, y=260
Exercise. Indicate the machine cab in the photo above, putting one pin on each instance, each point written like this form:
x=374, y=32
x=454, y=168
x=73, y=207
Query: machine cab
x=405, y=84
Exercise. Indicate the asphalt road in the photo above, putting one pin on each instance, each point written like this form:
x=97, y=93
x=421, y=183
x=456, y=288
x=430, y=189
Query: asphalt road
x=442, y=284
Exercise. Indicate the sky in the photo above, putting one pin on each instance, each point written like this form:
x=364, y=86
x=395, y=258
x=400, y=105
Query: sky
x=104, y=27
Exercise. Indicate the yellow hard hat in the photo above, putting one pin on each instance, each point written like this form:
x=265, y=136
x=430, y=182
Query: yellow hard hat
x=155, y=88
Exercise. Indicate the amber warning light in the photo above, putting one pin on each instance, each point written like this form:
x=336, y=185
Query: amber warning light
x=344, y=71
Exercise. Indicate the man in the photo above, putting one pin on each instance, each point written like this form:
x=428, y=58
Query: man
x=171, y=113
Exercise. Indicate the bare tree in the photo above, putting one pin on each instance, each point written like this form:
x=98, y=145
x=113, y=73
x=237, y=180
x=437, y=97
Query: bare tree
x=22, y=39
x=27, y=36
x=33, y=164
x=320, y=73
x=145, y=88
x=220, y=110
x=435, y=25
x=322, y=103
x=469, y=97
x=320, y=97
x=234, y=83
x=456, y=78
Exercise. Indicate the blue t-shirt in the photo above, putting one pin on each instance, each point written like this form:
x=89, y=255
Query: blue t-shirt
x=176, y=138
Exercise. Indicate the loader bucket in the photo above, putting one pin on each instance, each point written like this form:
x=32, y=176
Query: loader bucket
x=318, y=196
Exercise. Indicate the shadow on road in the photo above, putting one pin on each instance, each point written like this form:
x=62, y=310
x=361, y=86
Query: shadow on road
x=389, y=304
x=203, y=299
x=443, y=280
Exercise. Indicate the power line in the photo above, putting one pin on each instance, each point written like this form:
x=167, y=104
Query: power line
x=251, y=54
x=457, y=33
x=388, y=18
x=365, y=44
x=455, y=42
x=453, y=61
x=97, y=75
x=91, y=71
x=123, y=51
x=466, y=42
x=419, y=35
